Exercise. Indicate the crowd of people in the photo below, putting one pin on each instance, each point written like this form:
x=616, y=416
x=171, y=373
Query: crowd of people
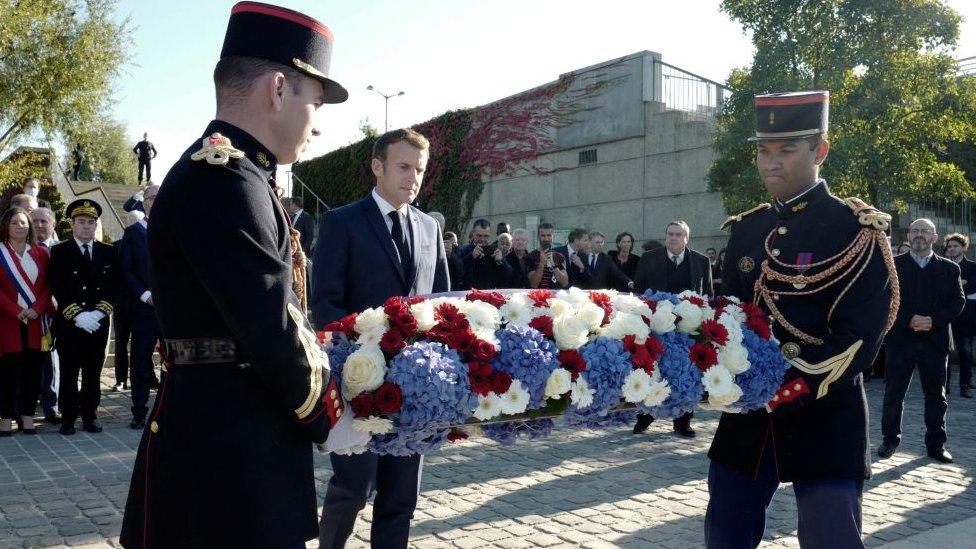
x=59, y=300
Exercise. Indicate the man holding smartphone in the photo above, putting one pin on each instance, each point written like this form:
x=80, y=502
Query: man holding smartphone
x=546, y=267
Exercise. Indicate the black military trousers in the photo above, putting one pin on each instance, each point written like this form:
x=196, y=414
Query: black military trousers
x=931, y=363
x=145, y=165
x=964, y=344
x=81, y=352
x=145, y=334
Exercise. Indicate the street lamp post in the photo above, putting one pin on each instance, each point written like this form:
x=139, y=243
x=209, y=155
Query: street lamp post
x=386, y=105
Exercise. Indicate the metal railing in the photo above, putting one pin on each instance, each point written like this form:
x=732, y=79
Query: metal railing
x=681, y=90
x=967, y=66
x=312, y=203
x=954, y=216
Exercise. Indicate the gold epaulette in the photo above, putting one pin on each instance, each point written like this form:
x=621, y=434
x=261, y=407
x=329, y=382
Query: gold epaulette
x=216, y=149
x=868, y=215
x=734, y=218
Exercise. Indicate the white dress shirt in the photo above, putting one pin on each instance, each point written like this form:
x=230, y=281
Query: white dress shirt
x=386, y=208
x=680, y=257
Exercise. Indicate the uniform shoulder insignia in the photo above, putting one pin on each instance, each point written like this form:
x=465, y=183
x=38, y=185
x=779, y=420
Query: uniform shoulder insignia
x=217, y=150
x=738, y=217
x=867, y=215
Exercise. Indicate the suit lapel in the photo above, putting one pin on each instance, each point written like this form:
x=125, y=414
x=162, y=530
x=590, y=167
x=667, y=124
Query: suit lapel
x=382, y=233
x=415, y=236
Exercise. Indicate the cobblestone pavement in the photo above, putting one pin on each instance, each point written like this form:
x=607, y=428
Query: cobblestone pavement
x=590, y=489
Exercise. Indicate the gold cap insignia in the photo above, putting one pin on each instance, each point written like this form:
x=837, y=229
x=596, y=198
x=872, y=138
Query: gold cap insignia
x=790, y=350
x=216, y=149
x=86, y=209
x=747, y=264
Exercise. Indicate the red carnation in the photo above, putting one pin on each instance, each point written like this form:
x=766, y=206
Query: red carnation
x=481, y=350
x=394, y=303
x=603, y=301
x=641, y=358
x=445, y=312
x=540, y=298
x=695, y=299
x=543, y=324
x=650, y=303
x=630, y=343
x=478, y=375
x=714, y=332
x=461, y=341
x=404, y=322
x=364, y=405
x=760, y=326
x=456, y=435
x=654, y=347
x=389, y=398
x=703, y=355
x=320, y=336
x=752, y=310
x=721, y=302
x=392, y=342
x=572, y=361
x=500, y=382
x=415, y=299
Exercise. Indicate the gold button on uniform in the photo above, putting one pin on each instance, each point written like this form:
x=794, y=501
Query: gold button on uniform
x=781, y=230
x=797, y=387
x=154, y=427
x=790, y=350
x=786, y=392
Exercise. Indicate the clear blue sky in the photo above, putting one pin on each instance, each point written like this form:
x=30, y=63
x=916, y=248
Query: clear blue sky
x=443, y=54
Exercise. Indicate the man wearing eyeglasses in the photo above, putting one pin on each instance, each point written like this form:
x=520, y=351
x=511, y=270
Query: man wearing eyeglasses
x=931, y=297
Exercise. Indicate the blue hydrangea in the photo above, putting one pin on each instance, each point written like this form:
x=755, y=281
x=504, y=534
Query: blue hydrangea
x=607, y=366
x=760, y=382
x=529, y=357
x=681, y=374
x=340, y=351
x=507, y=433
x=601, y=420
x=436, y=394
x=661, y=296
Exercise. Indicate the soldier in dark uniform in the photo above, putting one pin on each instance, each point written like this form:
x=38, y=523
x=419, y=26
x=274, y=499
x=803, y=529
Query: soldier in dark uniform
x=226, y=459
x=84, y=279
x=145, y=152
x=821, y=267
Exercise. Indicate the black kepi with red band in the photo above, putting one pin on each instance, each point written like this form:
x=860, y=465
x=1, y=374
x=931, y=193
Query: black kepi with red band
x=283, y=36
x=791, y=115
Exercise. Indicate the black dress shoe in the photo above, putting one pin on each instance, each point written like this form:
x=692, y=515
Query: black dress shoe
x=941, y=454
x=643, y=422
x=685, y=431
x=887, y=449
x=52, y=418
x=966, y=392
x=92, y=427
x=67, y=429
x=6, y=434
x=138, y=423
x=28, y=431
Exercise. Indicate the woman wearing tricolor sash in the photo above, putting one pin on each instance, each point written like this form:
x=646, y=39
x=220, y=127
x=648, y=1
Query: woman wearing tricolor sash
x=25, y=303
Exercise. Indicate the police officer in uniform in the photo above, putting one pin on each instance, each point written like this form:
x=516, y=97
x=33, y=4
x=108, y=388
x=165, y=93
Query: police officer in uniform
x=226, y=458
x=822, y=269
x=83, y=279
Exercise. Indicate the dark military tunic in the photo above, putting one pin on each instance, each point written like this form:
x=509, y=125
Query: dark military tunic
x=226, y=460
x=823, y=432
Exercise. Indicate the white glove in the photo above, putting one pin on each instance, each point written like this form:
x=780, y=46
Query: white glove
x=96, y=316
x=85, y=323
x=343, y=438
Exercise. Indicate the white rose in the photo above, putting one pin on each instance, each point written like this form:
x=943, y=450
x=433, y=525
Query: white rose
x=574, y=296
x=483, y=315
x=592, y=314
x=736, y=312
x=423, y=313
x=371, y=320
x=372, y=425
x=659, y=392
x=570, y=332
x=625, y=303
x=734, y=357
x=625, y=324
x=691, y=316
x=516, y=399
x=662, y=321
x=370, y=339
x=516, y=314
x=488, y=407
x=637, y=386
x=717, y=381
x=364, y=370
x=521, y=299
x=731, y=397
x=559, y=308
x=580, y=393
x=558, y=383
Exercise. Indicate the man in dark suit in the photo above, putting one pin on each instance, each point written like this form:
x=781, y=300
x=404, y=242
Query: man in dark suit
x=931, y=298
x=303, y=222
x=576, y=251
x=379, y=247
x=484, y=267
x=134, y=264
x=455, y=265
x=605, y=272
x=964, y=326
x=673, y=268
x=83, y=276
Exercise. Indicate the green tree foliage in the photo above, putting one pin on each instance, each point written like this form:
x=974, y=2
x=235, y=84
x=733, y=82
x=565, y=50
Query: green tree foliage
x=58, y=61
x=897, y=103
x=106, y=153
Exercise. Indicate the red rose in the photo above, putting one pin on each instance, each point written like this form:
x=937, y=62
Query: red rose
x=392, y=342
x=703, y=355
x=752, y=310
x=346, y=325
x=540, y=298
x=456, y=435
x=603, y=300
x=458, y=324
x=481, y=350
x=641, y=358
x=760, y=326
x=389, y=398
x=500, y=382
x=394, y=302
x=404, y=322
x=654, y=347
x=721, y=302
x=321, y=335
x=440, y=334
x=364, y=405
x=478, y=374
x=494, y=299
x=714, y=332
x=543, y=324
x=415, y=299
x=572, y=361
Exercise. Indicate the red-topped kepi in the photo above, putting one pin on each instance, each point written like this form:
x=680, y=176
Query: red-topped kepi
x=791, y=115
x=284, y=36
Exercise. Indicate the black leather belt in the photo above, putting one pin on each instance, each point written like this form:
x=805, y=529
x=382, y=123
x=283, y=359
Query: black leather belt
x=206, y=350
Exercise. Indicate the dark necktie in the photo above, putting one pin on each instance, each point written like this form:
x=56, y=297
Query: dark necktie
x=592, y=261
x=674, y=259
x=86, y=252
x=401, y=244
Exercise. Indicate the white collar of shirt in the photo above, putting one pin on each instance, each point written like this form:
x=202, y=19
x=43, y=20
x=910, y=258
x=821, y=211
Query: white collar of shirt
x=296, y=214
x=50, y=242
x=799, y=196
x=681, y=256
x=921, y=260
x=143, y=223
x=386, y=208
x=91, y=245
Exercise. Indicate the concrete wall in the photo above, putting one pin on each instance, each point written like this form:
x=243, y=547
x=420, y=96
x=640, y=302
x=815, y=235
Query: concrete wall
x=651, y=168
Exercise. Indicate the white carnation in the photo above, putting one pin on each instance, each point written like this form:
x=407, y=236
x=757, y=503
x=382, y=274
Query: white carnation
x=637, y=385
x=364, y=370
x=736, y=312
x=625, y=324
x=521, y=299
x=516, y=399
x=592, y=314
x=489, y=336
x=372, y=425
x=371, y=320
x=663, y=319
x=488, y=407
x=574, y=296
x=731, y=397
x=733, y=326
x=659, y=392
x=717, y=381
x=570, y=332
x=734, y=357
x=483, y=315
x=516, y=314
x=691, y=316
x=370, y=339
x=558, y=383
x=580, y=393
x=423, y=313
